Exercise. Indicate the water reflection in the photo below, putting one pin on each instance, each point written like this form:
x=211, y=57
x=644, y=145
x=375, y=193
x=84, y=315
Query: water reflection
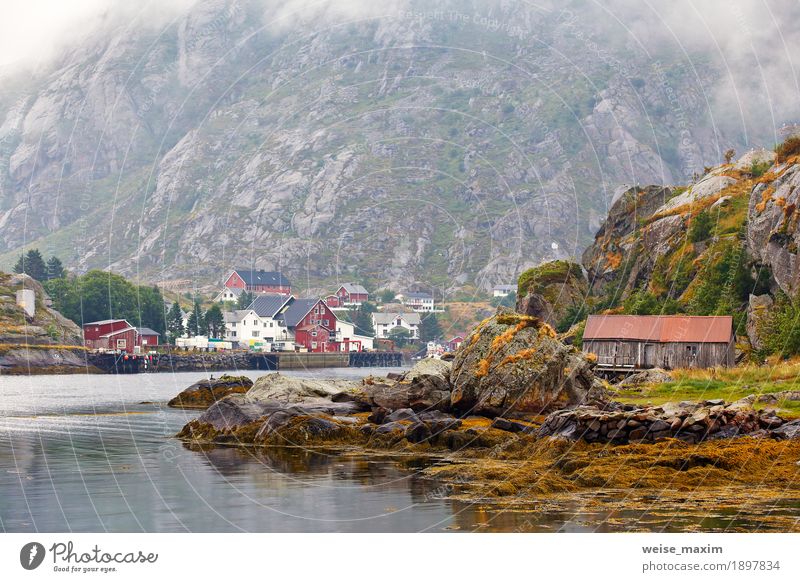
x=93, y=462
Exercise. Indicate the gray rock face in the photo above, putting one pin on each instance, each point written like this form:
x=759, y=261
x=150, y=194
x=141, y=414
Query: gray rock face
x=514, y=363
x=772, y=233
x=706, y=187
x=757, y=309
x=243, y=125
x=613, y=245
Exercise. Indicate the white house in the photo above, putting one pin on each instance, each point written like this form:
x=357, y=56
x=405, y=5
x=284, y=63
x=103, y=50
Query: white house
x=349, y=340
x=418, y=301
x=385, y=322
x=228, y=294
x=503, y=290
x=259, y=323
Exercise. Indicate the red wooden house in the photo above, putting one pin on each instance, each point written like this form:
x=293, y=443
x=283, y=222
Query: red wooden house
x=347, y=295
x=259, y=281
x=311, y=316
x=110, y=334
x=146, y=337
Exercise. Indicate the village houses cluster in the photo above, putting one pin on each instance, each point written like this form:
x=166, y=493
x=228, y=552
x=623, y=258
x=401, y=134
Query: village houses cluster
x=276, y=320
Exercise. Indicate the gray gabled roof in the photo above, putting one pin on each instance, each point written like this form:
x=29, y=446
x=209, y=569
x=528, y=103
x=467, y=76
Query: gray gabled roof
x=255, y=277
x=269, y=305
x=297, y=311
x=418, y=295
x=235, y=316
x=146, y=331
x=386, y=318
x=354, y=288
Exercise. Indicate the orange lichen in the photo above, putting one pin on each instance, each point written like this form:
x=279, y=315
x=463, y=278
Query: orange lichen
x=780, y=202
x=483, y=367
x=614, y=260
x=520, y=355
x=766, y=196
x=591, y=356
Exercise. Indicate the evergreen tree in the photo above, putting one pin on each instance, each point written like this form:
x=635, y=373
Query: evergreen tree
x=197, y=321
x=175, y=322
x=400, y=336
x=215, y=321
x=429, y=328
x=32, y=264
x=245, y=299
x=361, y=318
x=191, y=324
x=55, y=269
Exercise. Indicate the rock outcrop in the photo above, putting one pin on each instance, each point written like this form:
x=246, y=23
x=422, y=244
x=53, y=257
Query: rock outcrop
x=514, y=363
x=549, y=290
x=204, y=393
x=772, y=224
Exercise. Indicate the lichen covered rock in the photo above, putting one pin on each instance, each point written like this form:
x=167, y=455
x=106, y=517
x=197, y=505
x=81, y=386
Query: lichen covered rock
x=514, y=363
x=204, y=393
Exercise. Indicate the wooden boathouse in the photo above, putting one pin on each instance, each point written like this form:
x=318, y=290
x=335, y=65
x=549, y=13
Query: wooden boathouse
x=631, y=342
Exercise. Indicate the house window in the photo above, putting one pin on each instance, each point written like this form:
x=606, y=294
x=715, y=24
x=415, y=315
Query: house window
x=122, y=344
x=313, y=334
x=233, y=334
x=255, y=333
x=313, y=345
x=691, y=350
x=327, y=322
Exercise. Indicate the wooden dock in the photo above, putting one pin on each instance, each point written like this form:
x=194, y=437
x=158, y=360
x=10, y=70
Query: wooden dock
x=180, y=361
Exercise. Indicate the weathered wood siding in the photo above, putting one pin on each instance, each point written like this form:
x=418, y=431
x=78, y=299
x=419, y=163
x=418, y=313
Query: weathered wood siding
x=670, y=355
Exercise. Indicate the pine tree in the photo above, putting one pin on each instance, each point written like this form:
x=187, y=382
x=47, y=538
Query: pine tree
x=55, y=269
x=215, y=321
x=19, y=266
x=197, y=322
x=35, y=265
x=429, y=329
x=245, y=299
x=175, y=322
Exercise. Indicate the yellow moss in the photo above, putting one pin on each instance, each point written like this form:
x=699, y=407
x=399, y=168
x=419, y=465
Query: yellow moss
x=591, y=357
x=546, y=331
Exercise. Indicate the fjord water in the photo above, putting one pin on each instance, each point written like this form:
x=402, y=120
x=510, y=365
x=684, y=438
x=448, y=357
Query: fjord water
x=97, y=453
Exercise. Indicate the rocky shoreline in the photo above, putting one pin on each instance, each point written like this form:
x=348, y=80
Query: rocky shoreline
x=532, y=420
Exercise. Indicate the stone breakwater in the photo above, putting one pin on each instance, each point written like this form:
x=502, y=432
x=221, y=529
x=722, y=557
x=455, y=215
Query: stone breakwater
x=690, y=422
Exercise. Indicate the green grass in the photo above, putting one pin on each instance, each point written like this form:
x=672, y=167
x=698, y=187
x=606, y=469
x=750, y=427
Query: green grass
x=728, y=384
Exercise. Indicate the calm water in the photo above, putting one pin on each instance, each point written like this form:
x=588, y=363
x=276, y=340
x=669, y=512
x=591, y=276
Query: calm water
x=95, y=453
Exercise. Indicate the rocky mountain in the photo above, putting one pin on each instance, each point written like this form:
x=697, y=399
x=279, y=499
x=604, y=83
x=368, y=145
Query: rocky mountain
x=399, y=146
x=725, y=244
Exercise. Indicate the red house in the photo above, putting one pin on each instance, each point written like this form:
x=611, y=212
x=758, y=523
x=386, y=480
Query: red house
x=454, y=343
x=117, y=334
x=259, y=281
x=315, y=338
x=350, y=294
x=311, y=316
x=146, y=337
x=94, y=329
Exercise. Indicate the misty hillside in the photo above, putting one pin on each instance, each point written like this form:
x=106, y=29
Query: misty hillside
x=392, y=145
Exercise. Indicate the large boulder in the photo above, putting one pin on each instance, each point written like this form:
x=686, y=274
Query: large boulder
x=204, y=393
x=293, y=389
x=549, y=290
x=514, y=363
x=425, y=387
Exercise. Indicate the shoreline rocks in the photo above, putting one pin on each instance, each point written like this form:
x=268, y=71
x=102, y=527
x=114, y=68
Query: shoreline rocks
x=691, y=422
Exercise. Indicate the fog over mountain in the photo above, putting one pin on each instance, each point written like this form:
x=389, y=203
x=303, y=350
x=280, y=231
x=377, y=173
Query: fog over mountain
x=401, y=143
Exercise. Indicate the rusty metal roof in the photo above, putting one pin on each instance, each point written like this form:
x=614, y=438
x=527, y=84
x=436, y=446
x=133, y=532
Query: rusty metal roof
x=660, y=328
